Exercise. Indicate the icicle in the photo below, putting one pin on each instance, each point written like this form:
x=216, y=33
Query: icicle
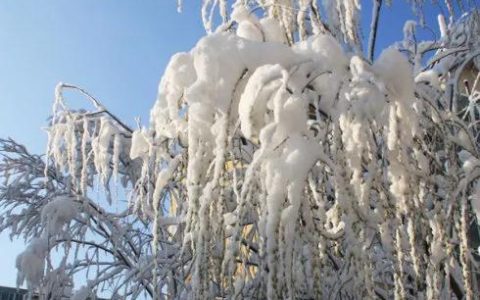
x=117, y=150
x=442, y=26
x=179, y=6
x=85, y=157
x=464, y=249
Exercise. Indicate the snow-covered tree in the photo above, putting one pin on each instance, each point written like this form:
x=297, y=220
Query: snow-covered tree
x=282, y=161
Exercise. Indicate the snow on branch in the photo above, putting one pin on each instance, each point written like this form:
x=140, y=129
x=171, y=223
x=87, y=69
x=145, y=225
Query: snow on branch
x=280, y=162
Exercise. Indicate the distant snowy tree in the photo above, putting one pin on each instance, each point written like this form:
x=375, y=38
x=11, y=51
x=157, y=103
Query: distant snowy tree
x=282, y=161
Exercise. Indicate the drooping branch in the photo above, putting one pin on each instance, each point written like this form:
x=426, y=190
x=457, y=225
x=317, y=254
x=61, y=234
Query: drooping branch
x=97, y=104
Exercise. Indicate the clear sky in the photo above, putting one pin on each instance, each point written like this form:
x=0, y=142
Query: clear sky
x=115, y=49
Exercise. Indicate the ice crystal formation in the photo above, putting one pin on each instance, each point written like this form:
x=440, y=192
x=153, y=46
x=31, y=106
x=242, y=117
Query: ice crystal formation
x=281, y=162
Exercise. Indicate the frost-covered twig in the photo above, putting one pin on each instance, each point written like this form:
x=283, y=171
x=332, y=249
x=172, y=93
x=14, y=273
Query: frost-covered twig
x=377, y=5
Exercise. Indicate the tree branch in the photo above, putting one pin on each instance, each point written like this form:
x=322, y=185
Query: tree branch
x=377, y=4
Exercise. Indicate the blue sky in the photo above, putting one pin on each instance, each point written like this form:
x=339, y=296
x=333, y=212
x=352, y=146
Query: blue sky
x=115, y=49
